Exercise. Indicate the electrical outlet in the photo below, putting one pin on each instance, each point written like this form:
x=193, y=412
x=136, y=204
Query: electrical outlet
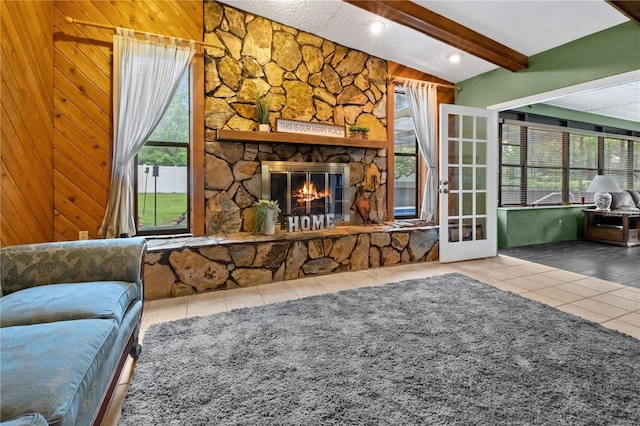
x=83, y=235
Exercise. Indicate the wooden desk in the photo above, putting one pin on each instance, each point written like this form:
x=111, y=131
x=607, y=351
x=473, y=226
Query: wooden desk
x=614, y=227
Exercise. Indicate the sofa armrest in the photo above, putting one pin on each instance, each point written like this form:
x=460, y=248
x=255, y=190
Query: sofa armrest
x=33, y=265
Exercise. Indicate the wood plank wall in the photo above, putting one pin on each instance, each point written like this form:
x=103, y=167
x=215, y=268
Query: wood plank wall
x=446, y=96
x=26, y=166
x=82, y=99
x=56, y=109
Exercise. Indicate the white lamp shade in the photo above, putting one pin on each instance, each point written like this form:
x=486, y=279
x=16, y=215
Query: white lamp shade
x=603, y=183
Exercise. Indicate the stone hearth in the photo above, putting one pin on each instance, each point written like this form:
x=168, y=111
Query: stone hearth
x=185, y=266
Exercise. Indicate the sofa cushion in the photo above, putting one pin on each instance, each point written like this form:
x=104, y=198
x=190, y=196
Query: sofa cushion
x=635, y=195
x=621, y=200
x=59, y=302
x=49, y=368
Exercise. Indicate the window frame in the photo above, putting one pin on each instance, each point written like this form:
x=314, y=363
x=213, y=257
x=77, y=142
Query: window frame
x=418, y=164
x=568, y=129
x=195, y=216
x=536, y=165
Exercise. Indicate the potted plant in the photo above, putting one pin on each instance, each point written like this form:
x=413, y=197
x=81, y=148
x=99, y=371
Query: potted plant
x=266, y=216
x=358, y=132
x=262, y=113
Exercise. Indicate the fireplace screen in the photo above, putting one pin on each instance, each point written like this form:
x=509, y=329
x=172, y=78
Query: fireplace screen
x=303, y=188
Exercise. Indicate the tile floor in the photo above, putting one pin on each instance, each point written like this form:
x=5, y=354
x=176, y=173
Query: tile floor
x=613, y=305
x=605, y=261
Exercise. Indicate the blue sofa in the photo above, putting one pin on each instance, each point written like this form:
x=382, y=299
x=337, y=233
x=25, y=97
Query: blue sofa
x=69, y=316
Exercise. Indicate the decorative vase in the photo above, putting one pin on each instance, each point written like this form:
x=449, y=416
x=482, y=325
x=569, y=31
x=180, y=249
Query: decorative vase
x=270, y=223
x=264, y=127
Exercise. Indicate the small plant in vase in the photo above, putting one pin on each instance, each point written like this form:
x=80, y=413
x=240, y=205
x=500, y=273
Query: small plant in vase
x=358, y=132
x=262, y=113
x=266, y=216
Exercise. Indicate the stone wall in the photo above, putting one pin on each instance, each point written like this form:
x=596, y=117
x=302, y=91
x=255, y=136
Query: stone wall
x=173, y=268
x=305, y=78
x=233, y=179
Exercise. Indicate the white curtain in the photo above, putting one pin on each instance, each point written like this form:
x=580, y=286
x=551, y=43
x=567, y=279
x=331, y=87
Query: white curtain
x=423, y=104
x=145, y=78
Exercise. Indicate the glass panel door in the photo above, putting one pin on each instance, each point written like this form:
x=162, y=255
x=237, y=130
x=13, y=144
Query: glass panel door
x=468, y=183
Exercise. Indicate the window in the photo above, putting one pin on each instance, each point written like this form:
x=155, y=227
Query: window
x=163, y=170
x=617, y=161
x=405, y=162
x=544, y=164
x=583, y=165
x=511, y=171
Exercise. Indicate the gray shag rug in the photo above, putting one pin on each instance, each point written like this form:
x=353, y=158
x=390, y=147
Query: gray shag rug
x=445, y=350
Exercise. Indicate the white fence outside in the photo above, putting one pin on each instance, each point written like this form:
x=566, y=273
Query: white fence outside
x=170, y=180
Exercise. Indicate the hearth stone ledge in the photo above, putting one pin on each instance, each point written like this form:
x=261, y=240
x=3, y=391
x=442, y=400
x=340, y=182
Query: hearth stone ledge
x=185, y=266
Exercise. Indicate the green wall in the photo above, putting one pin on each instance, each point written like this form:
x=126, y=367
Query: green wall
x=536, y=225
x=606, y=53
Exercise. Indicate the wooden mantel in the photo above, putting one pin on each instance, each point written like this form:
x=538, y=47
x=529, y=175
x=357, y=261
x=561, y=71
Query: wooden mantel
x=281, y=137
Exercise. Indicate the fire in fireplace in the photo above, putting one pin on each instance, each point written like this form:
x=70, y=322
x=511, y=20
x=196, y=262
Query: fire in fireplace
x=303, y=188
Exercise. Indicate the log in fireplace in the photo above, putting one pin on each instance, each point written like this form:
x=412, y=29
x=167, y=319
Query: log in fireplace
x=306, y=188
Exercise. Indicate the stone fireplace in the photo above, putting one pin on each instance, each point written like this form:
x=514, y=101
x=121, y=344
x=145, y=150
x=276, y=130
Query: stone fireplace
x=303, y=77
x=234, y=179
x=303, y=188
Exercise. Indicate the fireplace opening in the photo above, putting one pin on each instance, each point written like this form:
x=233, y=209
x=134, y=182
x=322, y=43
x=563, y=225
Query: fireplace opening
x=303, y=188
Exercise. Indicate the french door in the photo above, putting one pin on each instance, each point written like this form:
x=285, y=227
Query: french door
x=468, y=183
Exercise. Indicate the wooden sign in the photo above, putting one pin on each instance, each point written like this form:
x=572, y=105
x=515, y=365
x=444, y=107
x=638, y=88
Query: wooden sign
x=308, y=128
x=310, y=223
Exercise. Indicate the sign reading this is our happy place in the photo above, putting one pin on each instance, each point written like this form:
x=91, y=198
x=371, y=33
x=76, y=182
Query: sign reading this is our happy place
x=308, y=128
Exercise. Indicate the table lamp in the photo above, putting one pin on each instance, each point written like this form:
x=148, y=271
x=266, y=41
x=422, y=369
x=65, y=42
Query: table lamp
x=602, y=186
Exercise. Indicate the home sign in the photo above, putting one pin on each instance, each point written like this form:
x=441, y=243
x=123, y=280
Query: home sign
x=310, y=223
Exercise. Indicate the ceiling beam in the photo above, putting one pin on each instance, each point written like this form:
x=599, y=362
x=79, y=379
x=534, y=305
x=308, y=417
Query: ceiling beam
x=631, y=9
x=445, y=30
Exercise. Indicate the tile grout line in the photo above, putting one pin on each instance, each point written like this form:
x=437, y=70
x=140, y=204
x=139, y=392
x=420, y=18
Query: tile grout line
x=595, y=313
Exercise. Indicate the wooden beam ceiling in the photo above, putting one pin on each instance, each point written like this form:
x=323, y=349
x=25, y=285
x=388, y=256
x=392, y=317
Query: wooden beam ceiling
x=445, y=30
x=630, y=9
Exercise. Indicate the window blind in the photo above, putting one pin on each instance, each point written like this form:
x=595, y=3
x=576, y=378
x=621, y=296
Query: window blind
x=544, y=164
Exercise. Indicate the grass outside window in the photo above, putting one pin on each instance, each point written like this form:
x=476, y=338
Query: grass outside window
x=171, y=210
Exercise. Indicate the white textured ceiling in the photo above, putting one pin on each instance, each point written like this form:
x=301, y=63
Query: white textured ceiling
x=527, y=26
x=619, y=101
